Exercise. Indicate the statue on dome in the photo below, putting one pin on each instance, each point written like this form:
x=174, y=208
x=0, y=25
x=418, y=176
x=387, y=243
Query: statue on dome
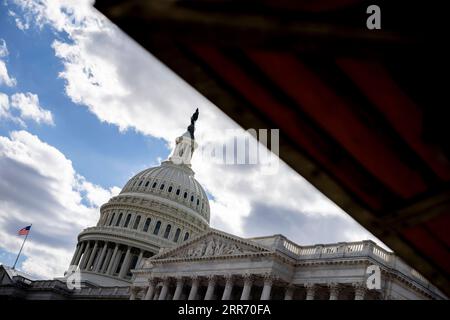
x=191, y=127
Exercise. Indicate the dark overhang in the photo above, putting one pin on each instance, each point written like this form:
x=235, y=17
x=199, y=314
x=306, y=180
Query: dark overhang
x=363, y=114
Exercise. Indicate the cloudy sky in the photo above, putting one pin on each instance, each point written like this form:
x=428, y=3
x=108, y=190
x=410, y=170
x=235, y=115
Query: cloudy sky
x=83, y=108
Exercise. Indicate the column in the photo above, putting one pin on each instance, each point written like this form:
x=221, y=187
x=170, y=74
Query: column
x=194, y=288
x=107, y=260
x=100, y=259
x=268, y=280
x=86, y=260
x=138, y=262
x=117, y=261
x=164, y=289
x=211, y=286
x=360, y=290
x=77, y=260
x=113, y=260
x=334, y=291
x=310, y=291
x=85, y=253
x=228, y=287
x=289, y=293
x=126, y=262
x=151, y=289
x=75, y=254
x=178, y=289
x=92, y=256
x=133, y=291
x=248, y=282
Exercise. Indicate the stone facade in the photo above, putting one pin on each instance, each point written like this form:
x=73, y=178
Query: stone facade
x=217, y=265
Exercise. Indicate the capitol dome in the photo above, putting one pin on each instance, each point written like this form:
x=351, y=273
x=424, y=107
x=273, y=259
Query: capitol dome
x=158, y=208
x=171, y=182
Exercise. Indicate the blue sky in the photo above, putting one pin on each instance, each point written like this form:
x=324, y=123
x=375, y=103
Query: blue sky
x=83, y=108
x=95, y=148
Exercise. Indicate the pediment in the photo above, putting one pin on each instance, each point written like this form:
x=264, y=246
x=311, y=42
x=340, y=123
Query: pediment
x=213, y=244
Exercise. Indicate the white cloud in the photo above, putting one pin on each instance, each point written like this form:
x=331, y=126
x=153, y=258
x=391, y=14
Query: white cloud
x=4, y=105
x=3, y=48
x=22, y=24
x=28, y=106
x=39, y=185
x=4, y=76
x=122, y=84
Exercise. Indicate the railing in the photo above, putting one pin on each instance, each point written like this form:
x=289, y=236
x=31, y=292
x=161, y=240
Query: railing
x=292, y=247
x=384, y=255
x=352, y=249
x=103, y=292
x=324, y=251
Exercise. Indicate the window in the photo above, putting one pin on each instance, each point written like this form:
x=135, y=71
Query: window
x=136, y=222
x=167, y=232
x=198, y=202
x=170, y=189
x=140, y=183
x=177, y=235
x=154, y=185
x=186, y=236
x=162, y=187
x=178, y=192
x=127, y=220
x=112, y=218
x=118, y=220
x=158, y=225
x=192, y=198
x=185, y=195
x=147, y=224
x=147, y=183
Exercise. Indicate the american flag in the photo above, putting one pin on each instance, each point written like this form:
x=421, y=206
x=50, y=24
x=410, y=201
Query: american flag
x=24, y=231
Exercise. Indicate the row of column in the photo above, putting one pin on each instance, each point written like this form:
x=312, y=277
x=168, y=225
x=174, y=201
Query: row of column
x=151, y=292
x=104, y=257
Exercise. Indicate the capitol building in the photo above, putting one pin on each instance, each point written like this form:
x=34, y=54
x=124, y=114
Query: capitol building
x=153, y=241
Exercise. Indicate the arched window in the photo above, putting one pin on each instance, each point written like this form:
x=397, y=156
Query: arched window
x=112, y=218
x=162, y=187
x=186, y=236
x=157, y=227
x=177, y=235
x=147, y=224
x=147, y=183
x=127, y=220
x=170, y=189
x=136, y=222
x=167, y=232
x=140, y=183
x=198, y=202
x=185, y=195
x=118, y=219
x=154, y=185
x=192, y=198
x=178, y=192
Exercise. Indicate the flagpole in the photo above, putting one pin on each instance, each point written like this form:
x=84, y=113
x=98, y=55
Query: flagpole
x=20, y=251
